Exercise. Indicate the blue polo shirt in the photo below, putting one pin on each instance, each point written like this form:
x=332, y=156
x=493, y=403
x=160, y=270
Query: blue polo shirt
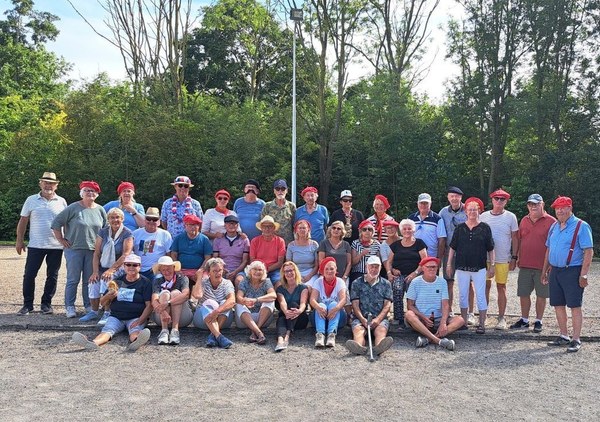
x=452, y=219
x=249, y=214
x=318, y=220
x=429, y=230
x=191, y=252
x=559, y=242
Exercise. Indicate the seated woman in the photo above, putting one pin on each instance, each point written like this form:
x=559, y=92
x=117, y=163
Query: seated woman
x=292, y=298
x=334, y=245
x=216, y=300
x=170, y=292
x=130, y=308
x=328, y=298
x=255, y=302
x=113, y=244
x=303, y=252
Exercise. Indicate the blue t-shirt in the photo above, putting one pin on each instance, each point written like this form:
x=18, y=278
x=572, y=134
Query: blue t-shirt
x=249, y=214
x=191, y=252
x=318, y=219
x=559, y=242
x=129, y=221
x=131, y=298
x=428, y=296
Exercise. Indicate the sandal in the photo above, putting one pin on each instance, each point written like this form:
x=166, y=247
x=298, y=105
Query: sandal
x=261, y=339
x=480, y=330
x=252, y=339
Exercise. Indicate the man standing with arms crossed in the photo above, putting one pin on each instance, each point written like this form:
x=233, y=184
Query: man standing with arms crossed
x=38, y=211
x=566, y=267
x=505, y=230
x=533, y=231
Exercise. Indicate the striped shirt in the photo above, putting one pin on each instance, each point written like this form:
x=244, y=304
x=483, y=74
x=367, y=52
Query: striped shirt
x=41, y=213
x=361, y=267
x=224, y=289
x=428, y=296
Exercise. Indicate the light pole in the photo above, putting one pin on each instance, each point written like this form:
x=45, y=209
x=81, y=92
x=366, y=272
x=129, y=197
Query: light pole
x=296, y=15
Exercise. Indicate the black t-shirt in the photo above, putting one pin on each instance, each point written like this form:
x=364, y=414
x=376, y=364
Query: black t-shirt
x=471, y=246
x=407, y=259
x=131, y=298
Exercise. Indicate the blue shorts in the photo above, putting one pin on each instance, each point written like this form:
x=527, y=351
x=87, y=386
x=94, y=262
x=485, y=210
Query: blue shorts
x=114, y=326
x=564, y=287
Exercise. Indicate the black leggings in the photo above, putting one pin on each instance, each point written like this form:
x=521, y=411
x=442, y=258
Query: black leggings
x=284, y=325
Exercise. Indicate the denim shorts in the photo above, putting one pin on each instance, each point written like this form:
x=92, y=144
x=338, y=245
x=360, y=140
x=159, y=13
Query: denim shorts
x=114, y=326
x=564, y=287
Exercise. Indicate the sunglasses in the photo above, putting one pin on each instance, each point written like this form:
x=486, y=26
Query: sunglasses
x=280, y=189
x=336, y=228
x=151, y=219
x=367, y=229
x=222, y=198
x=346, y=200
x=132, y=265
x=183, y=186
x=499, y=199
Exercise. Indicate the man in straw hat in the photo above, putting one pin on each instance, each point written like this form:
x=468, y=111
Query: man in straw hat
x=268, y=248
x=38, y=211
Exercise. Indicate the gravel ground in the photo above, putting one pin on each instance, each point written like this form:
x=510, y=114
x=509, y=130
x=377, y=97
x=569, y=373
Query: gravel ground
x=500, y=376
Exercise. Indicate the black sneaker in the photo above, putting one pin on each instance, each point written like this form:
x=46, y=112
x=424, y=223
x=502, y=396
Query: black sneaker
x=537, y=327
x=520, y=324
x=574, y=346
x=560, y=341
x=46, y=309
x=24, y=311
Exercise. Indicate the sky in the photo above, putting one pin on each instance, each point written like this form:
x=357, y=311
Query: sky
x=90, y=54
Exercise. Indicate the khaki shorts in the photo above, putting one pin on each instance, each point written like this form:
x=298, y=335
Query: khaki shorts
x=501, y=272
x=530, y=279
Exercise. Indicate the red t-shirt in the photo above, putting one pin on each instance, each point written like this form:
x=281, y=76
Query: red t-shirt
x=533, y=241
x=268, y=252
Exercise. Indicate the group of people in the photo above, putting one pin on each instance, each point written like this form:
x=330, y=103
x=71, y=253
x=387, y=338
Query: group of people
x=246, y=263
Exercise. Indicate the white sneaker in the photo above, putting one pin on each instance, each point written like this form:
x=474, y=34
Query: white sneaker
x=70, y=312
x=163, y=337
x=501, y=324
x=320, y=341
x=104, y=318
x=174, y=337
x=421, y=341
x=330, y=340
x=471, y=319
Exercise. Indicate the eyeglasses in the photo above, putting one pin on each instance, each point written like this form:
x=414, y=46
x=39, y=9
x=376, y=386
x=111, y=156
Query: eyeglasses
x=499, y=199
x=280, y=189
x=182, y=186
x=151, y=219
x=367, y=229
x=346, y=200
x=132, y=265
x=89, y=191
x=222, y=198
x=289, y=271
x=267, y=226
x=533, y=205
x=336, y=228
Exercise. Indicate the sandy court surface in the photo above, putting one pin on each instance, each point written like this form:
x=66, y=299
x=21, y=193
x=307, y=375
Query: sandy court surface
x=500, y=376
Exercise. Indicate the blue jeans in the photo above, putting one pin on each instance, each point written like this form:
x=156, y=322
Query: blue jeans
x=35, y=257
x=79, y=268
x=321, y=323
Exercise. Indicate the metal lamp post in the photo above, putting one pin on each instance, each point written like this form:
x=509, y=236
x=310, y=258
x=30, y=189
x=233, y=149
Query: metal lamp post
x=296, y=15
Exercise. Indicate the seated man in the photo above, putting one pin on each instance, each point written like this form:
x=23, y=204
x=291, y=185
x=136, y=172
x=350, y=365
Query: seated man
x=371, y=294
x=428, y=307
x=191, y=248
x=130, y=307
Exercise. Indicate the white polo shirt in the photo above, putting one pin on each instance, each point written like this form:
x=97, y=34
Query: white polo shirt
x=41, y=212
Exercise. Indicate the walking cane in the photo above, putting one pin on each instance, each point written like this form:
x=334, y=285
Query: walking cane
x=371, y=358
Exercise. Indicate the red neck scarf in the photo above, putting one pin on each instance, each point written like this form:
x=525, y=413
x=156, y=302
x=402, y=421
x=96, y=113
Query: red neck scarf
x=379, y=225
x=329, y=285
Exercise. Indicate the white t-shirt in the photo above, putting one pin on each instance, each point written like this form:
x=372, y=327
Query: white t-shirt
x=502, y=226
x=41, y=212
x=335, y=294
x=151, y=246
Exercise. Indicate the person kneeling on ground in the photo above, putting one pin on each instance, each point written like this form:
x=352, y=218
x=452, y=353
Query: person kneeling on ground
x=170, y=293
x=130, y=306
x=371, y=294
x=428, y=307
x=216, y=301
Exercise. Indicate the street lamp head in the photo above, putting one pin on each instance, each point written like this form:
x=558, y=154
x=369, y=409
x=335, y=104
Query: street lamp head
x=296, y=15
